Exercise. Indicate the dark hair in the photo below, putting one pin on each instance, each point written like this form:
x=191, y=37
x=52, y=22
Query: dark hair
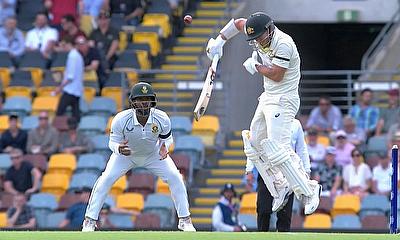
x=72, y=123
x=355, y=150
x=43, y=13
x=325, y=97
x=69, y=18
x=366, y=90
x=13, y=117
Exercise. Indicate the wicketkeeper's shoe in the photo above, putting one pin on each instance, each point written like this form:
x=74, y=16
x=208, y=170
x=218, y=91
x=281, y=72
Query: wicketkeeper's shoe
x=185, y=224
x=311, y=203
x=88, y=225
x=280, y=202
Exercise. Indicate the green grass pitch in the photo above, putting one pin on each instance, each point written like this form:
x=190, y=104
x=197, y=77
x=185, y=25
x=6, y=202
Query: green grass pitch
x=122, y=235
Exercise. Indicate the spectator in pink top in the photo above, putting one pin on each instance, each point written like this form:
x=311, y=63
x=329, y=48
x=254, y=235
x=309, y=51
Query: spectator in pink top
x=343, y=148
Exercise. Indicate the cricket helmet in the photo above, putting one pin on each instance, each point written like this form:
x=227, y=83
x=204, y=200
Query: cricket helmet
x=138, y=98
x=257, y=24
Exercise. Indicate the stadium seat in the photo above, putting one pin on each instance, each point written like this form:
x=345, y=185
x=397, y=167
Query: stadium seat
x=92, y=125
x=376, y=146
x=51, y=79
x=103, y=106
x=15, y=91
x=143, y=59
x=17, y=105
x=54, y=219
x=37, y=160
x=162, y=187
x=5, y=66
x=30, y=122
x=89, y=93
x=82, y=180
x=162, y=6
x=21, y=78
x=62, y=163
x=180, y=125
x=346, y=221
x=128, y=63
x=34, y=62
x=119, y=186
x=182, y=162
x=46, y=91
x=346, y=204
x=86, y=24
x=121, y=221
x=193, y=147
x=323, y=140
x=160, y=20
x=317, y=221
x=42, y=204
x=141, y=183
x=115, y=79
x=374, y=204
x=325, y=205
x=374, y=222
x=115, y=93
x=206, y=128
x=249, y=220
x=147, y=221
x=148, y=37
x=5, y=162
x=48, y=104
x=3, y=219
x=67, y=200
x=248, y=203
x=100, y=145
x=55, y=183
x=60, y=123
x=90, y=76
x=297, y=222
x=6, y=201
x=91, y=162
x=3, y=123
x=130, y=201
x=83, y=106
x=59, y=61
x=163, y=206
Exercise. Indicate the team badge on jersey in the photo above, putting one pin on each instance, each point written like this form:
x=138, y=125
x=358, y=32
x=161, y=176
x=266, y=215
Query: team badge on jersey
x=154, y=129
x=144, y=89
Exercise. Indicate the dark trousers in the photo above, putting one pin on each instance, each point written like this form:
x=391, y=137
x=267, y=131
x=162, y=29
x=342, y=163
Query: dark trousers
x=264, y=210
x=69, y=100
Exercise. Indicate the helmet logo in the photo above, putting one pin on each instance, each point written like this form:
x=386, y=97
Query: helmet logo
x=249, y=30
x=144, y=89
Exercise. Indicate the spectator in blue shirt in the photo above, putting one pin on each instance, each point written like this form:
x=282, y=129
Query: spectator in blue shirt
x=76, y=213
x=325, y=117
x=7, y=9
x=364, y=114
x=11, y=39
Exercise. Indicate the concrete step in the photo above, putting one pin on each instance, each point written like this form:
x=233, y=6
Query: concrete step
x=179, y=59
x=223, y=181
x=235, y=143
x=194, y=40
x=201, y=220
x=179, y=67
x=232, y=162
x=198, y=31
x=227, y=172
x=210, y=13
x=233, y=153
x=188, y=50
x=181, y=76
x=201, y=210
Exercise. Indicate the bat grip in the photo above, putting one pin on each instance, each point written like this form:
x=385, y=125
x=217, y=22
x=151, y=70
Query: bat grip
x=215, y=62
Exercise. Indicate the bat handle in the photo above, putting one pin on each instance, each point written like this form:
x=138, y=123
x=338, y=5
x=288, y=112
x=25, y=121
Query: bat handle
x=215, y=62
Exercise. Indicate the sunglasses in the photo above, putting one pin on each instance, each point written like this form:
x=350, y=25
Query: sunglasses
x=357, y=155
x=15, y=157
x=340, y=137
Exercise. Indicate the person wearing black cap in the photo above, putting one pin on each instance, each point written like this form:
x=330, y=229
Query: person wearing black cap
x=224, y=216
x=13, y=137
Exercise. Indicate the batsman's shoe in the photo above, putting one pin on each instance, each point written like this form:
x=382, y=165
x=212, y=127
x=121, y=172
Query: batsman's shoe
x=312, y=202
x=88, y=225
x=280, y=202
x=185, y=224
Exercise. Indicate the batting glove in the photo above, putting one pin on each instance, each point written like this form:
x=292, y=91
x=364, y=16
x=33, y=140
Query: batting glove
x=215, y=46
x=252, y=154
x=251, y=63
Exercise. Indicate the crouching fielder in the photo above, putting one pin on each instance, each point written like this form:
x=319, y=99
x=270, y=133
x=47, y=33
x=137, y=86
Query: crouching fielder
x=278, y=105
x=140, y=137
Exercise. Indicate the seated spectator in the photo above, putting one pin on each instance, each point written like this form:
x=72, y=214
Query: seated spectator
x=13, y=137
x=20, y=215
x=59, y=8
x=364, y=114
x=92, y=7
x=381, y=176
x=42, y=37
x=390, y=115
x=76, y=213
x=92, y=59
x=7, y=9
x=355, y=135
x=329, y=174
x=12, y=39
x=224, y=215
x=106, y=39
x=44, y=138
x=326, y=117
x=357, y=175
x=131, y=9
x=316, y=150
x=72, y=141
x=104, y=221
x=343, y=149
x=21, y=177
x=69, y=33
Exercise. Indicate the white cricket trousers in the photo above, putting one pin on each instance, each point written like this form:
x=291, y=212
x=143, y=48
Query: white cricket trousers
x=118, y=165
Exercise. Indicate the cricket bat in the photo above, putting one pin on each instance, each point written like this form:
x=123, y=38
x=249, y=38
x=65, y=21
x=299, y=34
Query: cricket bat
x=205, y=94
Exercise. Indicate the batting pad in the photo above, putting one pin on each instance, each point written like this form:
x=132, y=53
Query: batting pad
x=281, y=159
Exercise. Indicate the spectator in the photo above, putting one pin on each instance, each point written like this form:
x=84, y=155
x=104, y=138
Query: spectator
x=343, y=149
x=59, y=8
x=329, y=174
x=357, y=175
x=44, y=138
x=104, y=222
x=390, y=115
x=72, y=85
x=106, y=39
x=92, y=7
x=12, y=39
x=92, y=60
x=73, y=141
x=355, y=135
x=131, y=9
x=21, y=177
x=364, y=114
x=20, y=215
x=76, y=213
x=13, y=137
x=42, y=37
x=326, y=117
x=316, y=150
x=69, y=33
x=224, y=215
x=7, y=9
x=381, y=176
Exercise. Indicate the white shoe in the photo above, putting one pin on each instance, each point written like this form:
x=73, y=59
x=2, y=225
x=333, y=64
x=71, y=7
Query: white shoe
x=185, y=224
x=311, y=203
x=88, y=225
x=280, y=202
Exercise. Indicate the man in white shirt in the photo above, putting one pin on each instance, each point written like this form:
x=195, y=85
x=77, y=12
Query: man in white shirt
x=72, y=85
x=140, y=137
x=278, y=104
x=316, y=150
x=42, y=37
x=381, y=176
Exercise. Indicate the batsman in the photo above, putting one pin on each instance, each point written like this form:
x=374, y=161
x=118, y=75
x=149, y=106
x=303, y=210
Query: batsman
x=268, y=143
